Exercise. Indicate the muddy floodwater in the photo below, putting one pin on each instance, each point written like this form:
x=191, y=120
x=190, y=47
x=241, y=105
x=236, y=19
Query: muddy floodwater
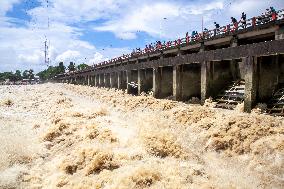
x=68, y=136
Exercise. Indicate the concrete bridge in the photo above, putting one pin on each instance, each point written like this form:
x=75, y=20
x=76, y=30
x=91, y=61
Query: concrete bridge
x=200, y=67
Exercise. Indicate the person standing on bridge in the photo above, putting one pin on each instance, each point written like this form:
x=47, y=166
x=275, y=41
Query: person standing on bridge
x=235, y=23
x=273, y=14
x=243, y=20
x=217, y=28
x=205, y=33
x=272, y=9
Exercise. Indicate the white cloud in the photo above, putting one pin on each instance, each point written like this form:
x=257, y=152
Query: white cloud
x=33, y=58
x=182, y=16
x=98, y=57
x=68, y=55
x=160, y=19
x=147, y=18
x=74, y=11
x=6, y=5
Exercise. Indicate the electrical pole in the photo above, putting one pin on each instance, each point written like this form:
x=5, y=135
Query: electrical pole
x=202, y=25
x=46, y=58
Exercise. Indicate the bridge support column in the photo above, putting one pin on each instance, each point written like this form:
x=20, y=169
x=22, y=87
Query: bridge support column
x=99, y=80
x=156, y=82
x=95, y=80
x=88, y=80
x=121, y=80
x=206, y=79
x=140, y=81
x=251, y=85
x=102, y=80
x=128, y=75
x=113, y=80
x=107, y=80
x=177, y=79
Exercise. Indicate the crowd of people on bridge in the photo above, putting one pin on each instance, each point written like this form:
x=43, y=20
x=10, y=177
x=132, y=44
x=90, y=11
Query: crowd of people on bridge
x=269, y=15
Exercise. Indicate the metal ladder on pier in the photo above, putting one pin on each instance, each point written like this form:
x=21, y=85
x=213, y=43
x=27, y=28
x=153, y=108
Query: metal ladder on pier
x=231, y=97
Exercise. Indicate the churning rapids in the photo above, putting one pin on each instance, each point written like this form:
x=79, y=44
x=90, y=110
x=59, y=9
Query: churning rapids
x=68, y=136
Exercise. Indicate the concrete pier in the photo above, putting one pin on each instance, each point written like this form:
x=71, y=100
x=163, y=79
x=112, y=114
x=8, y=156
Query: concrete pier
x=113, y=80
x=107, y=80
x=251, y=82
x=121, y=80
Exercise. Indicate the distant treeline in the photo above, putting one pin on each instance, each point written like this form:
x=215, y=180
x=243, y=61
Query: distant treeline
x=46, y=74
x=17, y=76
x=52, y=71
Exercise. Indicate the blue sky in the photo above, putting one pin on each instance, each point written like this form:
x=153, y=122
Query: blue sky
x=91, y=31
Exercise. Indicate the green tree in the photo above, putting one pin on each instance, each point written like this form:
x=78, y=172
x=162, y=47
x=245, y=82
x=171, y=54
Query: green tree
x=42, y=75
x=26, y=74
x=61, y=67
x=50, y=72
x=18, y=75
x=82, y=66
x=71, y=67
